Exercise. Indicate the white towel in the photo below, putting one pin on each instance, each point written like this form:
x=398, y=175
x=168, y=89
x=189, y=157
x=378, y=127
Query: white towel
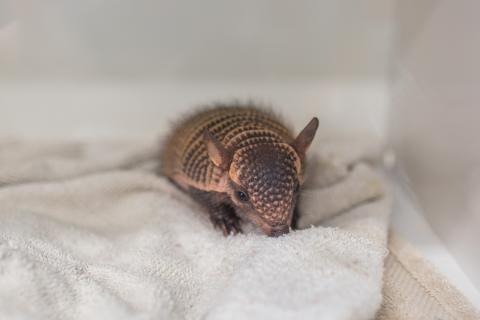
x=88, y=231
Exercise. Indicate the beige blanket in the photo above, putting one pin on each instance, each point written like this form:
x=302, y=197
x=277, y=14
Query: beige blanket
x=88, y=231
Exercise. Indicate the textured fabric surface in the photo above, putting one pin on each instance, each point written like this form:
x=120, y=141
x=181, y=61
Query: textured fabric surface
x=87, y=231
x=413, y=289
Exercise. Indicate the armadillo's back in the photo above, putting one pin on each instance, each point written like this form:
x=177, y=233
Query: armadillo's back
x=184, y=155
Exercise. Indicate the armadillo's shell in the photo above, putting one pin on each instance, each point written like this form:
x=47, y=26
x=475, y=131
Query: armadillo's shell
x=184, y=154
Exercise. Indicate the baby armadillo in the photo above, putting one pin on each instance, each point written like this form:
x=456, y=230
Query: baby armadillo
x=239, y=162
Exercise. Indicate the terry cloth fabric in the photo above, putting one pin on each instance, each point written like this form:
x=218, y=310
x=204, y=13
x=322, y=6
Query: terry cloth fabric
x=413, y=289
x=89, y=231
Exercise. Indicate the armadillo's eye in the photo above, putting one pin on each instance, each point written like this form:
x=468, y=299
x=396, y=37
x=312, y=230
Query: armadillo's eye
x=243, y=196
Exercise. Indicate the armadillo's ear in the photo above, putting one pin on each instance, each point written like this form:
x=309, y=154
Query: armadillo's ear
x=217, y=153
x=305, y=138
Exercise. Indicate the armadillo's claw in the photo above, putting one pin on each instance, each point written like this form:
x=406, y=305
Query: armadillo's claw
x=228, y=225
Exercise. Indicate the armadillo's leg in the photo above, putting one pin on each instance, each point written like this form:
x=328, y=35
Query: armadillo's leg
x=295, y=217
x=222, y=215
x=224, y=218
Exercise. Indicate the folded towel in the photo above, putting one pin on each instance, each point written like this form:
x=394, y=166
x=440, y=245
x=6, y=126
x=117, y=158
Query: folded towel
x=88, y=231
x=414, y=289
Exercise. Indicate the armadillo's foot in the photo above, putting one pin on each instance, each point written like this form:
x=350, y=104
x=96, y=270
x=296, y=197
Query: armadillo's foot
x=295, y=217
x=228, y=224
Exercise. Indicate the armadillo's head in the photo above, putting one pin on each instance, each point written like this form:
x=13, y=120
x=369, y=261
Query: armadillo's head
x=264, y=180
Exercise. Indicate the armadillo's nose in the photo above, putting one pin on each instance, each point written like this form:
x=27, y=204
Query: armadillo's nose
x=278, y=231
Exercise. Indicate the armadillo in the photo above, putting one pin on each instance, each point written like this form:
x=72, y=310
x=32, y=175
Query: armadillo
x=240, y=163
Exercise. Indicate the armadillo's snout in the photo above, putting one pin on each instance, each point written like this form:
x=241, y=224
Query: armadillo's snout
x=278, y=231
